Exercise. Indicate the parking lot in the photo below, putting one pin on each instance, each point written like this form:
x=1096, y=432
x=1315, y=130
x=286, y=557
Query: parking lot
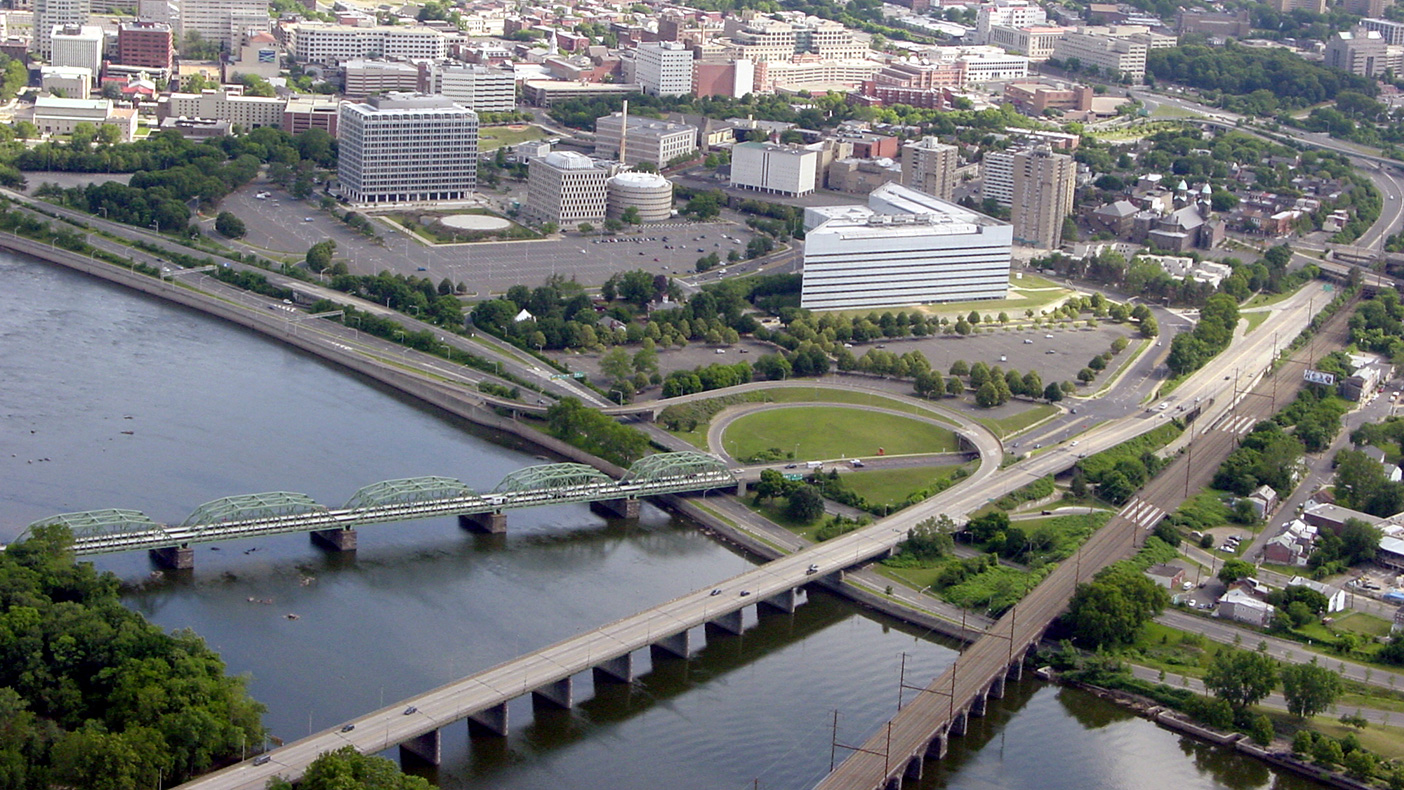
x=280, y=226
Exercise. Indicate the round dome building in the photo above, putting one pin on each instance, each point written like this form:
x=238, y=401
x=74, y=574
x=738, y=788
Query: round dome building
x=649, y=193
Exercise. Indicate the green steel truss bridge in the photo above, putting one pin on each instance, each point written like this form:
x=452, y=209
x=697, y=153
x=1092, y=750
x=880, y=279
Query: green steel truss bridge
x=279, y=512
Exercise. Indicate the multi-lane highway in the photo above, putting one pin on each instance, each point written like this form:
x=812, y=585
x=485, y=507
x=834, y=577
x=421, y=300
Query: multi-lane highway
x=900, y=748
x=553, y=664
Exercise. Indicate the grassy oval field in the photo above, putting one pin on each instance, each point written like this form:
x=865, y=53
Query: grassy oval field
x=817, y=432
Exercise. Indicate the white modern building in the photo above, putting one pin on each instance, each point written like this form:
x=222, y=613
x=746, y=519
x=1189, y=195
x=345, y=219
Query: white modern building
x=224, y=104
x=904, y=248
x=1111, y=54
x=997, y=171
x=663, y=68
x=49, y=14
x=479, y=88
x=1007, y=13
x=222, y=21
x=57, y=116
x=568, y=188
x=407, y=148
x=782, y=169
x=74, y=83
x=321, y=43
x=647, y=140
x=1035, y=43
x=78, y=47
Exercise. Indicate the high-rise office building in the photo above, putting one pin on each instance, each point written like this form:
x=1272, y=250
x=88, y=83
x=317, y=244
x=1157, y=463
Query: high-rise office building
x=222, y=21
x=568, y=188
x=1044, y=183
x=903, y=248
x=663, y=69
x=145, y=44
x=648, y=140
x=407, y=148
x=77, y=47
x=478, y=88
x=929, y=166
x=49, y=14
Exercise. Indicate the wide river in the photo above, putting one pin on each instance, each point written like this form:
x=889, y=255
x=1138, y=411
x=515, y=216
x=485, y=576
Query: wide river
x=114, y=401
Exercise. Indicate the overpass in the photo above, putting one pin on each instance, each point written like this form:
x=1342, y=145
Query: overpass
x=415, y=724
x=280, y=512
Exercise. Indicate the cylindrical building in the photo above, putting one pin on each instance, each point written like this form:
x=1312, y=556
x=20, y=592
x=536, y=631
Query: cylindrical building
x=649, y=193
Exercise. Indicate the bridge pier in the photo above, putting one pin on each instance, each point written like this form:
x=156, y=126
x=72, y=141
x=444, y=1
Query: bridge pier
x=615, y=670
x=977, y=703
x=997, y=687
x=334, y=539
x=558, y=694
x=729, y=623
x=489, y=721
x=957, y=724
x=678, y=645
x=426, y=747
x=895, y=783
x=913, y=770
x=740, y=488
x=174, y=558
x=936, y=749
x=618, y=508
x=489, y=523
x=783, y=602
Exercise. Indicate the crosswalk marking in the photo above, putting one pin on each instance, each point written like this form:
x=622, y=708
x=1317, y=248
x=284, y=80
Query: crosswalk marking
x=1237, y=425
x=1142, y=513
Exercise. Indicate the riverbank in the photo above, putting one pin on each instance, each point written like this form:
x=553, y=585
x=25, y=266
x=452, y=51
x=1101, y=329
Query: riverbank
x=1176, y=722
x=464, y=406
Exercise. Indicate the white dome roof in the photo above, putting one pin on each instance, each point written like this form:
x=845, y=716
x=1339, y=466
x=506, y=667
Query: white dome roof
x=636, y=180
x=569, y=160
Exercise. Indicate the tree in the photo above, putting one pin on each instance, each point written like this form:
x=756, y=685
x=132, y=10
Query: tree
x=585, y=228
x=1360, y=541
x=1241, y=677
x=987, y=396
x=630, y=216
x=617, y=365
x=954, y=387
x=1110, y=609
x=1235, y=569
x=805, y=504
x=772, y=484
x=1310, y=689
x=1052, y=393
x=319, y=255
x=229, y=226
x=1261, y=730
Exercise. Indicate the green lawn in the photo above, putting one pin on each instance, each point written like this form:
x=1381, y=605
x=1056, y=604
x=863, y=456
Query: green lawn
x=491, y=138
x=815, y=432
x=1254, y=320
x=819, y=394
x=1005, y=427
x=891, y=486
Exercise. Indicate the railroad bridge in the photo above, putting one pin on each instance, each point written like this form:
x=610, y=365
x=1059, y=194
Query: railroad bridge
x=279, y=512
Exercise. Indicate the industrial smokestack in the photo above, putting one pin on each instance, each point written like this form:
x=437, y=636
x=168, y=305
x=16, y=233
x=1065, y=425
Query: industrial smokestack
x=624, y=132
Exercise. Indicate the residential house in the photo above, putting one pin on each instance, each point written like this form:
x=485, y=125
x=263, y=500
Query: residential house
x=1171, y=577
x=1263, y=500
x=1335, y=596
x=1240, y=606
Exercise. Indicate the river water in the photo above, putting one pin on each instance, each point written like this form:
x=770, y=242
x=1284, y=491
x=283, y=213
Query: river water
x=112, y=400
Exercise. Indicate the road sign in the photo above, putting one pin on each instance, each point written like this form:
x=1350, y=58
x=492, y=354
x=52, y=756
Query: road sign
x=576, y=375
x=793, y=476
x=1317, y=377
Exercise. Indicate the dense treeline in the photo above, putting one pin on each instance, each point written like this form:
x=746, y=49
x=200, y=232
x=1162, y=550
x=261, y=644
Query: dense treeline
x=1190, y=350
x=595, y=433
x=92, y=695
x=1235, y=69
x=169, y=172
x=1378, y=325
